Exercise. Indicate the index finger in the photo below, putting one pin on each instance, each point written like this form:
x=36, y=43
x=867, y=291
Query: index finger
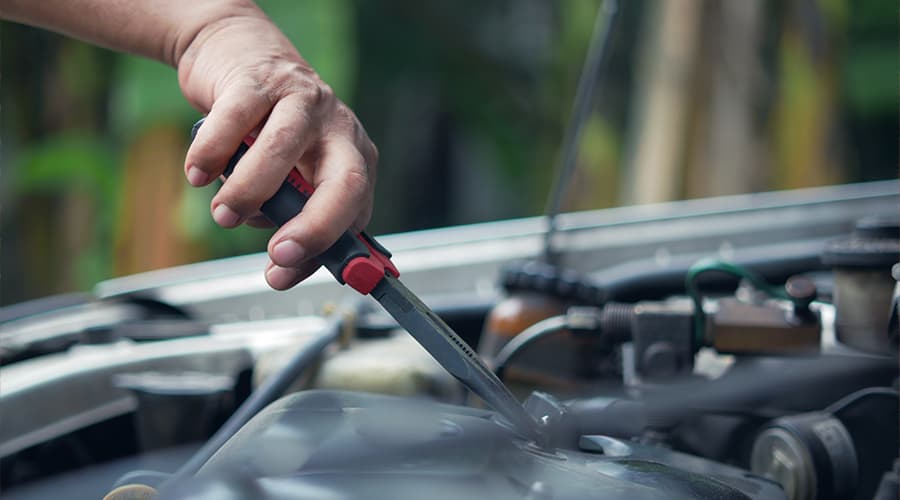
x=343, y=192
x=233, y=116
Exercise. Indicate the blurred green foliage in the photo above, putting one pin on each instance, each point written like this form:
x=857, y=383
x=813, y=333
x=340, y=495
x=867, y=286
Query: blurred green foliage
x=871, y=80
x=66, y=162
x=69, y=163
x=324, y=33
x=467, y=101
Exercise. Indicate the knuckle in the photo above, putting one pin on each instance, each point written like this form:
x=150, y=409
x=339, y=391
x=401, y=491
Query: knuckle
x=281, y=142
x=356, y=184
x=316, y=93
x=324, y=93
x=348, y=124
x=275, y=80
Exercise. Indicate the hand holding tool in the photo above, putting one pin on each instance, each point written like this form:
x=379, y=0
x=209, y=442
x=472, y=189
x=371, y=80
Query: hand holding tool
x=356, y=259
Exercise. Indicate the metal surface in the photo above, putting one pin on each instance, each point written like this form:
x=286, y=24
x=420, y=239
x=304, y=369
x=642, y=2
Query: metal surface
x=19, y=333
x=467, y=259
x=453, y=353
x=738, y=327
x=271, y=388
x=50, y=396
x=863, y=285
x=780, y=456
x=811, y=455
x=663, y=339
x=328, y=444
x=72, y=390
x=862, y=299
x=460, y=261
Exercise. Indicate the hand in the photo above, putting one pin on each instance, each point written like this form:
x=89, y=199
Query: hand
x=249, y=78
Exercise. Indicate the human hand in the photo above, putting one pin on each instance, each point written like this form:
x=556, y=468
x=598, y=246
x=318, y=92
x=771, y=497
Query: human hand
x=249, y=78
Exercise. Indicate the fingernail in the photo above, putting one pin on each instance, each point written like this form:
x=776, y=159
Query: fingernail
x=197, y=177
x=280, y=277
x=225, y=216
x=287, y=253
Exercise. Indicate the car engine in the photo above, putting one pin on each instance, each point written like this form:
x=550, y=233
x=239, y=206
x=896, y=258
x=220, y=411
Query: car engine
x=741, y=347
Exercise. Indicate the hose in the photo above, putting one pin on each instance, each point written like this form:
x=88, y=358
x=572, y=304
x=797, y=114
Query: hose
x=613, y=322
x=528, y=336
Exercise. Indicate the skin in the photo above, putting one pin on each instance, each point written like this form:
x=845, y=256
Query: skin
x=235, y=66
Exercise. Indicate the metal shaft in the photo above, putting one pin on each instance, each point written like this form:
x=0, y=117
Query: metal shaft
x=581, y=108
x=453, y=354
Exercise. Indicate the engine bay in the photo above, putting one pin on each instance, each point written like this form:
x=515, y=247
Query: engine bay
x=740, y=347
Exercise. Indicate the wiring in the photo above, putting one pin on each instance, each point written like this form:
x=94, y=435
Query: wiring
x=707, y=265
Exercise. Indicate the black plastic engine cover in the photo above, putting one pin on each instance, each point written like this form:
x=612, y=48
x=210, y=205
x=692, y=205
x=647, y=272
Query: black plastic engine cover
x=326, y=444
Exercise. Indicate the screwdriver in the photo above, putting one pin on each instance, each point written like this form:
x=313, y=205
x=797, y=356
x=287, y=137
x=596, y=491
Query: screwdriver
x=357, y=260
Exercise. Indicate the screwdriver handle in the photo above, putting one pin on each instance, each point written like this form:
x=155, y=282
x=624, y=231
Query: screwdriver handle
x=355, y=259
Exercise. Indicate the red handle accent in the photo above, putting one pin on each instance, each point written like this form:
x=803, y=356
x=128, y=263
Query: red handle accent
x=364, y=273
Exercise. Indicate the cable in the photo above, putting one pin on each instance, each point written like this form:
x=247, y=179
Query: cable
x=597, y=53
x=528, y=336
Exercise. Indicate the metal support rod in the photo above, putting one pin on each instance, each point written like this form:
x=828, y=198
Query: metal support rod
x=597, y=52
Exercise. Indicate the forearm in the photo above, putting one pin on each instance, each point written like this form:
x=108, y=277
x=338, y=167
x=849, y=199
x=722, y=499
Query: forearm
x=158, y=29
x=239, y=70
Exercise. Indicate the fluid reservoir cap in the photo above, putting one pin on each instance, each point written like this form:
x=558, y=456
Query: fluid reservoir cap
x=874, y=244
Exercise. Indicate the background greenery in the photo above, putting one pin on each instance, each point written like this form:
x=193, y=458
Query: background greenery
x=467, y=101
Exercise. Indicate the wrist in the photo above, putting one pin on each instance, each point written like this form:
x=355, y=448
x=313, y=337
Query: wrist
x=206, y=19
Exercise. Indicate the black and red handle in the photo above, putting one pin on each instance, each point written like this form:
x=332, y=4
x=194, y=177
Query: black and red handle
x=355, y=259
